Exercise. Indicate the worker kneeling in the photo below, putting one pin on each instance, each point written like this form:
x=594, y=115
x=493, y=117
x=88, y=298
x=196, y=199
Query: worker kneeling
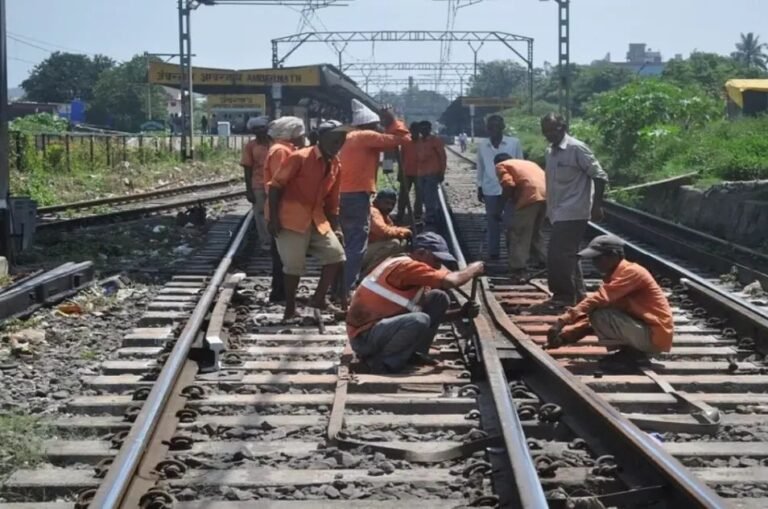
x=385, y=239
x=629, y=313
x=395, y=312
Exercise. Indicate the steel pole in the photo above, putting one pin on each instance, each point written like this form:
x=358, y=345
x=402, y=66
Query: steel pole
x=564, y=60
x=6, y=248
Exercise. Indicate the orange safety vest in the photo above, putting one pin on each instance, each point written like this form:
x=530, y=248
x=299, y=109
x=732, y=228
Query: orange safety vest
x=375, y=299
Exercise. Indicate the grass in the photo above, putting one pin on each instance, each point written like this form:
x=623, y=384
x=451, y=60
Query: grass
x=21, y=442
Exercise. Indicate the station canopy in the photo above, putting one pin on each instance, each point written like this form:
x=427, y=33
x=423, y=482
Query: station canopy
x=737, y=88
x=320, y=88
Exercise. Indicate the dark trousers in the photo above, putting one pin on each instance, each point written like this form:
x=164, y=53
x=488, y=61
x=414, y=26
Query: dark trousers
x=406, y=184
x=390, y=344
x=277, y=292
x=564, y=276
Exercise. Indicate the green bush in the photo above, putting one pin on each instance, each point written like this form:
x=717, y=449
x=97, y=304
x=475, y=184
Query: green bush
x=527, y=128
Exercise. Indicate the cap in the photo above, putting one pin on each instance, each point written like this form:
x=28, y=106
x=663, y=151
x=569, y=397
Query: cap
x=255, y=122
x=362, y=114
x=332, y=125
x=603, y=245
x=435, y=244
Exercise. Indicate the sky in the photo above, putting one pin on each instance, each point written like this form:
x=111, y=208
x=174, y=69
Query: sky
x=239, y=36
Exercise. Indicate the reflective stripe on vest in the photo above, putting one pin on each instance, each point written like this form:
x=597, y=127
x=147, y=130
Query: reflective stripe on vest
x=371, y=283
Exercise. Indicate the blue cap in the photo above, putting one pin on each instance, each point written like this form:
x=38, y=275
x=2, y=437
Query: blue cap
x=435, y=244
x=386, y=194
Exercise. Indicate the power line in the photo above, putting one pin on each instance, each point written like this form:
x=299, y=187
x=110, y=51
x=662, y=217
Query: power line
x=45, y=43
x=22, y=60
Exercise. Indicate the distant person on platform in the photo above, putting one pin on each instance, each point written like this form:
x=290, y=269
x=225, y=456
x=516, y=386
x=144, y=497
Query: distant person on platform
x=359, y=170
x=252, y=160
x=463, y=141
x=395, y=313
x=523, y=184
x=214, y=124
x=304, y=211
x=204, y=124
x=287, y=135
x=385, y=239
x=408, y=177
x=432, y=161
x=575, y=186
x=488, y=187
x=629, y=313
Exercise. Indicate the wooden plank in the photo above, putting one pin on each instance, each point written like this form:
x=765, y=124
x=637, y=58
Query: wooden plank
x=686, y=382
x=140, y=366
x=718, y=449
x=681, y=351
x=667, y=366
x=724, y=400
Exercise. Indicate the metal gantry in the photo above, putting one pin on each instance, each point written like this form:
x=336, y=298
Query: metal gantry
x=564, y=57
x=472, y=38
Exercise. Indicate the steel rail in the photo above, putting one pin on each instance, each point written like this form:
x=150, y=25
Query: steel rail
x=130, y=198
x=528, y=488
x=112, y=490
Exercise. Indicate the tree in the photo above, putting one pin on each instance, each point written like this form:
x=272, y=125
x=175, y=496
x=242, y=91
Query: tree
x=63, y=77
x=708, y=71
x=120, y=97
x=750, y=51
x=499, y=78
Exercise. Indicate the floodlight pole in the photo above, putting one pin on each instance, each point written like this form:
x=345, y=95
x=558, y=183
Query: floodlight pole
x=6, y=248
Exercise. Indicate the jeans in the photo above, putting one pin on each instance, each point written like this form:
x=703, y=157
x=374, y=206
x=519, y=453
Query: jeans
x=391, y=343
x=355, y=223
x=564, y=276
x=427, y=187
x=277, y=293
x=404, y=198
x=493, y=235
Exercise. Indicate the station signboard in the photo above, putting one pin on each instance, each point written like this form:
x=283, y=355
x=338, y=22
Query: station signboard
x=170, y=75
x=237, y=101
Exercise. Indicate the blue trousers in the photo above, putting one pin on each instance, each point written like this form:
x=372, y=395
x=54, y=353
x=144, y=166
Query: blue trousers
x=355, y=218
x=390, y=344
x=427, y=186
x=495, y=226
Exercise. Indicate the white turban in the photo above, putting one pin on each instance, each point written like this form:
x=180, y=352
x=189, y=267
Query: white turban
x=362, y=115
x=286, y=128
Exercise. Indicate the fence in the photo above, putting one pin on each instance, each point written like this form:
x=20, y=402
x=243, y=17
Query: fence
x=75, y=151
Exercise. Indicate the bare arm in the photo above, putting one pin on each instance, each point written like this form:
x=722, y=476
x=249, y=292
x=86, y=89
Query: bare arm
x=461, y=277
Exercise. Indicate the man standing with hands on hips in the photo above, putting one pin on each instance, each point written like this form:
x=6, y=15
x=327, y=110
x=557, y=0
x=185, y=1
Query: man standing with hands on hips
x=575, y=186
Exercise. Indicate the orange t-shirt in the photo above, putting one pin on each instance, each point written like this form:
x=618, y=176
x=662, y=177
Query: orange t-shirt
x=360, y=156
x=526, y=177
x=431, y=156
x=409, y=159
x=383, y=228
x=278, y=153
x=405, y=277
x=632, y=289
x=310, y=187
x=253, y=156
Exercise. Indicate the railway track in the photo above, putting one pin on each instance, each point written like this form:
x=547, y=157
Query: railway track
x=135, y=206
x=289, y=422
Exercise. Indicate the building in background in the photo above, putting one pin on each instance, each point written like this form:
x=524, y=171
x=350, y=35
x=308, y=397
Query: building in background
x=641, y=60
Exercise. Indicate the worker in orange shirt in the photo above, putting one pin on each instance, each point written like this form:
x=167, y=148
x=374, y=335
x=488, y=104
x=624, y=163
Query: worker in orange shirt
x=408, y=177
x=629, y=313
x=432, y=164
x=252, y=160
x=385, y=239
x=287, y=134
x=523, y=183
x=303, y=213
x=359, y=167
x=395, y=313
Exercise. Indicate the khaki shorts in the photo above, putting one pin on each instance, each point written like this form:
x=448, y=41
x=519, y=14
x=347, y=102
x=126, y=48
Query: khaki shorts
x=294, y=248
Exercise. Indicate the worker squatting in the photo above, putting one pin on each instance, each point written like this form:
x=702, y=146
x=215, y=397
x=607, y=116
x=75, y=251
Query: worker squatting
x=317, y=200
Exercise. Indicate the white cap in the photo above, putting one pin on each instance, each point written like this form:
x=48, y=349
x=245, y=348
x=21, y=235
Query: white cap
x=255, y=122
x=362, y=114
x=286, y=128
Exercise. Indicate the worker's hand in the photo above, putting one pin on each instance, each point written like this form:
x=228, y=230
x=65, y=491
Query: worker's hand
x=480, y=196
x=477, y=268
x=554, y=337
x=274, y=226
x=597, y=213
x=339, y=235
x=387, y=116
x=470, y=310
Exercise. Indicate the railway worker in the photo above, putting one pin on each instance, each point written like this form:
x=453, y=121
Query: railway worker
x=523, y=184
x=575, y=186
x=488, y=187
x=252, y=160
x=432, y=162
x=303, y=213
x=628, y=313
x=359, y=167
x=287, y=135
x=394, y=314
x=385, y=239
x=408, y=178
